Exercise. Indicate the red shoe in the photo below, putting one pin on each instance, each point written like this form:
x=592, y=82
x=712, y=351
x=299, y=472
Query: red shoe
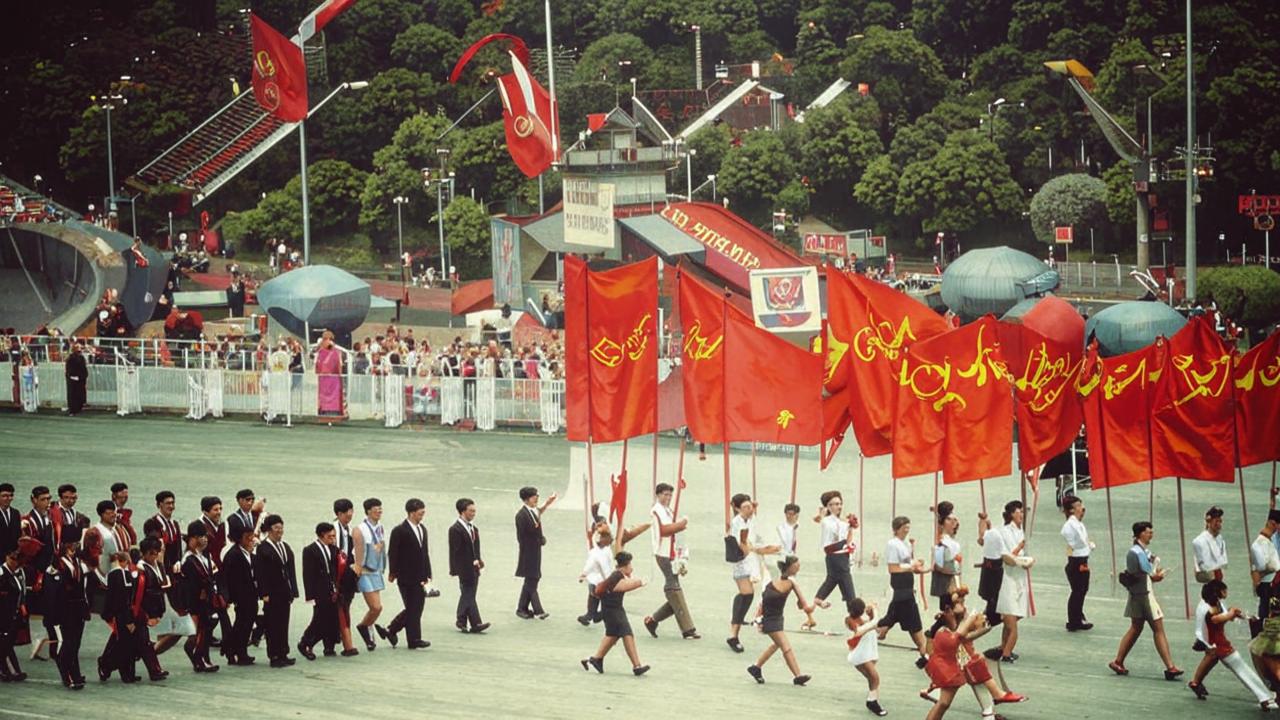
x=1010, y=697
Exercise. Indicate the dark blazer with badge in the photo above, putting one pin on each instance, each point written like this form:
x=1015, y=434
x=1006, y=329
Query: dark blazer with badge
x=199, y=585
x=277, y=579
x=153, y=592
x=463, y=552
x=530, y=539
x=408, y=561
x=238, y=581
x=319, y=574
x=66, y=594
x=10, y=530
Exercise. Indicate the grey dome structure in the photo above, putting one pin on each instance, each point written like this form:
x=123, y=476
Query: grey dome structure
x=1128, y=326
x=319, y=296
x=993, y=280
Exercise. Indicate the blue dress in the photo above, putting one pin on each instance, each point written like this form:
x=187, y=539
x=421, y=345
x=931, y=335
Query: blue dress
x=375, y=558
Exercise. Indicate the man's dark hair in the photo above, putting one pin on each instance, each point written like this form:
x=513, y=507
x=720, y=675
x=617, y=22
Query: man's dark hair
x=463, y=504
x=66, y=488
x=739, y=499
x=527, y=492
x=39, y=490
x=238, y=535
x=791, y=507
x=208, y=501
x=323, y=529
x=1142, y=526
x=413, y=505
x=164, y=495
x=104, y=506
x=272, y=521
x=341, y=505
x=6, y=487
x=195, y=529
x=623, y=558
x=372, y=503
x=1068, y=502
x=118, y=487
x=663, y=488
x=149, y=544
x=244, y=494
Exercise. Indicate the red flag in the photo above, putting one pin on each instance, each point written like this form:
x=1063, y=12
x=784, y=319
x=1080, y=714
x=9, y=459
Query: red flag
x=1193, y=421
x=618, y=497
x=882, y=323
x=1046, y=403
x=279, y=73
x=611, y=350
x=1257, y=396
x=702, y=357
x=835, y=425
x=954, y=410
x=772, y=389
x=1119, y=393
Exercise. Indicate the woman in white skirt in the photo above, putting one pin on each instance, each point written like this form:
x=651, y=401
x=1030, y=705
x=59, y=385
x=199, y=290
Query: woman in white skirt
x=864, y=650
x=746, y=570
x=1014, y=601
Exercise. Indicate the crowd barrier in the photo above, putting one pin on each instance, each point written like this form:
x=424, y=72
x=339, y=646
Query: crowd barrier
x=394, y=399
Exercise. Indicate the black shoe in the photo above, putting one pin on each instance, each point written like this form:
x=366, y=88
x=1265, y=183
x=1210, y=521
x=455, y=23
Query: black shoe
x=20, y=676
x=461, y=625
x=1009, y=658
x=800, y=680
x=734, y=644
x=584, y=620
x=211, y=668
x=433, y=593
x=1085, y=626
x=921, y=662
x=992, y=653
x=391, y=636
x=77, y=685
x=103, y=672
x=874, y=707
x=754, y=671
x=419, y=644
x=1199, y=689
x=691, y=635
x=256, y=638
x=126, y=680
x=242, y=661
x=157, y=677
x=1172, y=674
x=279, y=663
x=368, y=638
x=524, y=614
x=306, y=652
x=542, y=615
x=638, y=671
x=330, y=652
x=597, y=663
x=651, y=625
x=352, y=652
x=479, y=628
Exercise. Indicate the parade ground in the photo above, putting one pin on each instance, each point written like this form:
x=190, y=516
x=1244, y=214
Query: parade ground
x=529, y=668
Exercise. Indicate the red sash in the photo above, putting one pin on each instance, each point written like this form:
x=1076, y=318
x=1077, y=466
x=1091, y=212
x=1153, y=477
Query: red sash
x=137, y=594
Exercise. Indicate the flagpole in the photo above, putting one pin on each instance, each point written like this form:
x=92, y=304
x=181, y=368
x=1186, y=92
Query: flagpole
x=551, y=81
x=1031, y=597
x=862, y=521
x=795, y=471
x=982, y=493
x=622, y=483
x=655, y=460
x=754, y=496
x=1182, y=548
x=675, y=511
x=1235, y=434
x=725, y=445
x=590, y=495
x=724, y=409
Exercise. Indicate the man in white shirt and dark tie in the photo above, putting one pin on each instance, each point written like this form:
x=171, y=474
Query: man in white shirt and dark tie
x=409, y=567
x=530, y=539
x=1078, y=549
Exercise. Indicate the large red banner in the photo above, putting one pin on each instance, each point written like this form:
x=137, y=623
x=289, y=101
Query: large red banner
x=279, y=73
x=1119, y=393
x=1193, y=421
x=954, y=410
x=611, y=350
x=1257, y=399
x=772, y=389
x=702, y=357
x=1046, y=403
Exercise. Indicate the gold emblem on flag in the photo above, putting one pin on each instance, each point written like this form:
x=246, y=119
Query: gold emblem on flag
x=523, y=126
x=263, y=64
x=784, y=418
x=610, y=353
x=699, y=347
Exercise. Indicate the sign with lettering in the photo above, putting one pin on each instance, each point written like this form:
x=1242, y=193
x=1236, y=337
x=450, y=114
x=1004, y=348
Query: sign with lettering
x=1254, y=205
x=588, y=213
x=1062, y=235
x=786, y=299
x=825, y=244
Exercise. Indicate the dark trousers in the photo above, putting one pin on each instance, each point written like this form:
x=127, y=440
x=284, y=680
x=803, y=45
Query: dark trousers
x=1265, y=592
x=1078, y=579
x=121, y=653
x=197, y=646
x=594, y=613
x=344, y=611
x=989, y=581
x=51, y=632
x=468, y=611
x=235, y=644
x=277, y=616
x=323, y=626
x=410, y=618
x=838, y=576
x=8, y=659
x=529, y=600
x=70, y=634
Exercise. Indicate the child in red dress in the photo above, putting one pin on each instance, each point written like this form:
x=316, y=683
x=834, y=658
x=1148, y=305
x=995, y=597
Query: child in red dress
x=947, y=673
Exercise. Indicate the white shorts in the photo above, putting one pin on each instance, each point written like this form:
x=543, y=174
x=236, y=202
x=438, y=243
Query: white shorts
x=171, y=623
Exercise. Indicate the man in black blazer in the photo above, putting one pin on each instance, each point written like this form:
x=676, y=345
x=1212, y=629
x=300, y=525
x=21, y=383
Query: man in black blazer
x=409, y=567
x=239, y=582
x=153, y=607
x=530, y=540
x=10, y=521
x=277, y=574
x=343, y=511
x=465, y=563
x=320, y=588
x=199, y=596
x=121, y=652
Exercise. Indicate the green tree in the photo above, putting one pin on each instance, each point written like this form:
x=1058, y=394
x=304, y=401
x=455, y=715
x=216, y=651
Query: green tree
x=965, y=184
x=905, y=75
x=753, y=173
x=358, y=122
x=614, y=59
x=1121, y=207
x=878, y=188
x=466, y=229
x=710, y=145
x=426, y=48
x=1077, y=199
x=1249, y=294
x=835, y=152
x=959, y=29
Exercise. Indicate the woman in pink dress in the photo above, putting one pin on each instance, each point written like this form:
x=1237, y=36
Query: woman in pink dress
x=329, y=377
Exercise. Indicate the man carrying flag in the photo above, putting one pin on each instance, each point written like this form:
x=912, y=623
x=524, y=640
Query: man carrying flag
x=670, y=556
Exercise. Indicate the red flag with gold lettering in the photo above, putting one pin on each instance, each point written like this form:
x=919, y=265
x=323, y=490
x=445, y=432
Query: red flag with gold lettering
x=954, y=410
x=279, y=72
x=702, y=357
x=880, y=324
x=772, y=389
x=1119, y=394
x=1193, y=421
x=1046, y=404
x=611, y=350
x=1257, y=397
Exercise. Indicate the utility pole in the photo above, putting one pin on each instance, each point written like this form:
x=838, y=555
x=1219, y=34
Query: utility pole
x=1190, y=166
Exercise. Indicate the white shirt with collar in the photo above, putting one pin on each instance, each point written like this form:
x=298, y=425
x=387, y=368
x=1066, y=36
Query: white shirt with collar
x=993, y=544
x=662, y=546
x=1210, y=551
x=1077, y=537
x=599, y=564
x=1263, y=558
x=787, y=538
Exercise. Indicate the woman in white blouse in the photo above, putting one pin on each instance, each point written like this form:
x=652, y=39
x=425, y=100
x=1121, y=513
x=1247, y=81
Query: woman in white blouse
x=1014, y=599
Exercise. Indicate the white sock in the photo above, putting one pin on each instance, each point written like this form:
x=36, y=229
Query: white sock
x=873, y=695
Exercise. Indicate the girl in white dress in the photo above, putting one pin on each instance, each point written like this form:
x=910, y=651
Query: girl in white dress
x=1014, y=600
x=864, y=649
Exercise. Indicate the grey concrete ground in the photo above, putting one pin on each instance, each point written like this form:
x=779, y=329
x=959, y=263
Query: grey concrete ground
x=530, y=668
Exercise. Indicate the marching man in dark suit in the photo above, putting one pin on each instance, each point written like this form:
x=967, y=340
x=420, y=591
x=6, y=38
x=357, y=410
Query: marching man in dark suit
x=13, y=613
x=200, y=596
x=241, y=589
x=153, y=607
x=122, y=608
x=530, y=539
x=409, y=566
x=465, y=563
x=10, y=521
x=277, y=575
x=77, y=372
x=320, y=588
x=67, y=605
x=343, y=510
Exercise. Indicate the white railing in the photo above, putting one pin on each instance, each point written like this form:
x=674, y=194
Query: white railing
x=393, y=399
x=197, y=402
x=485, y=410
x=451, y=400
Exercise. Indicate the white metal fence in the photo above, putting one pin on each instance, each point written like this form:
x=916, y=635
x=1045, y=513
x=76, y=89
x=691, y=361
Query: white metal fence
x=394, y=399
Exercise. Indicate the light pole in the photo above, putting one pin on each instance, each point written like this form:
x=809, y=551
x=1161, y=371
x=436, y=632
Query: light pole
x=302, y=151
x=400, y=200
x=992, y=109
x=1190, y=167
x=697, y=55
x=108, y=103
x=443, y=154
x=712, y=178
x=688, y=173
